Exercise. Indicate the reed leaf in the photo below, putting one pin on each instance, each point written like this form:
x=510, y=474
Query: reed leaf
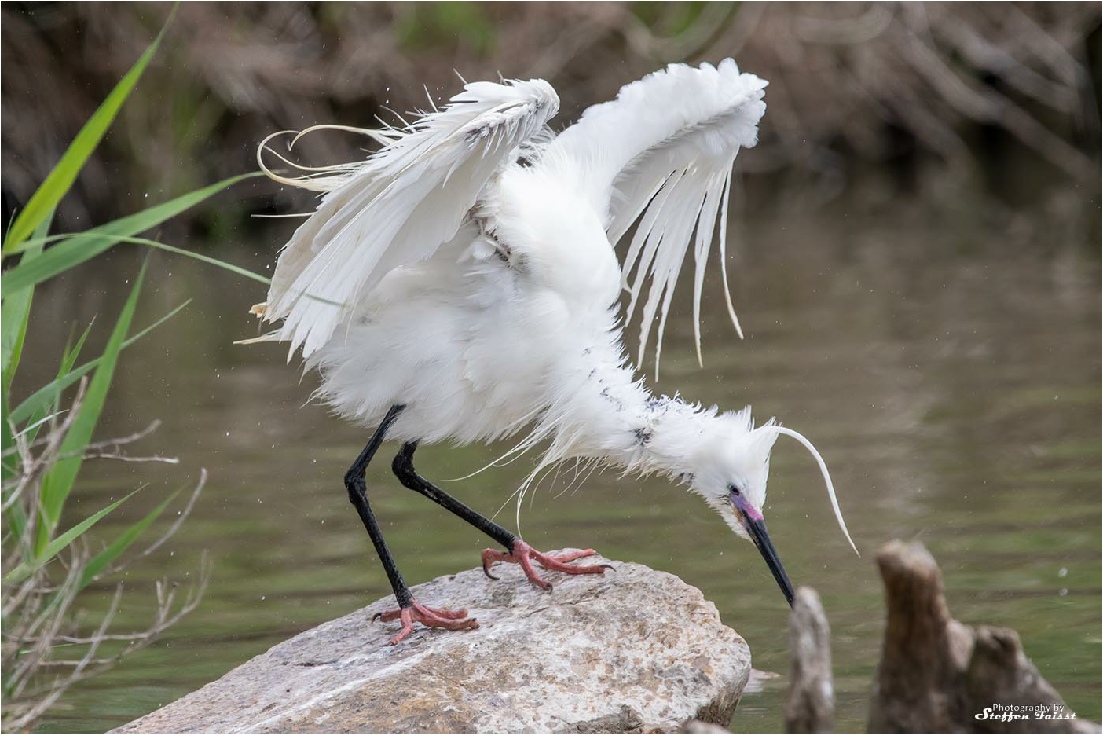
x=61, y=178
x=58, y=482
x=76, y=248
x=41, y=399
x=56, y=546
x=121, y=543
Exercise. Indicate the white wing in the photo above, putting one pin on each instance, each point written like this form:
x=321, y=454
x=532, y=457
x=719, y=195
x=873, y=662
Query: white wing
x=662, y=153
x=398, y=206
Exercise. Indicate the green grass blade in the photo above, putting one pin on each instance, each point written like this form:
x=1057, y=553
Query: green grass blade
x=72, y=352
x=203, y=258
x=10, y=462
x=61, y=178
x=58, y=482
x=122, y=542
x=171, y=249
x=68, y=357
x=16, y=309
x=146, y=219
x=16, y=519
x=65, y=255
x=30, y=566
x=39, y=401
x=79, y=247
x=149, y=218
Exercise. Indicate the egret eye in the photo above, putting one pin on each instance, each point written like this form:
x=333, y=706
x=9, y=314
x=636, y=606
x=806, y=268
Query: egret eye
x=734, y=490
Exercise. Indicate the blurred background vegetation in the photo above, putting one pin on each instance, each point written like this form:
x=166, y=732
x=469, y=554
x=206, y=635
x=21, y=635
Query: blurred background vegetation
x=949, y=88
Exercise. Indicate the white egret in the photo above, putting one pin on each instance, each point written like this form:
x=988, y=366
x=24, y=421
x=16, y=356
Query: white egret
x=460, y=283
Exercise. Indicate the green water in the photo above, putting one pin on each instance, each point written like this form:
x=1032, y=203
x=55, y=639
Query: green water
x=947, y=367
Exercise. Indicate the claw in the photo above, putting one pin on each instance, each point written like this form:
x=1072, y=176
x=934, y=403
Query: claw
x=488, y=560
x=524, y=555
x=427, y=616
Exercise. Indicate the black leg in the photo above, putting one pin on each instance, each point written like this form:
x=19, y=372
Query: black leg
x=517, y=551
x=403, y=467
x=358, y=495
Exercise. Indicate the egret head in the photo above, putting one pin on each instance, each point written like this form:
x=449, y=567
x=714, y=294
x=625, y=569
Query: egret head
x=731, y=470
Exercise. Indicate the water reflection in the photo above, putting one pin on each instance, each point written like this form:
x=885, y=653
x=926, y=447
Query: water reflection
x=949, y=374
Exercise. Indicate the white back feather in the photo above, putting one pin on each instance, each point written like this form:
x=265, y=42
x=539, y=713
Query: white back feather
x=398, y=206
x=662, y=153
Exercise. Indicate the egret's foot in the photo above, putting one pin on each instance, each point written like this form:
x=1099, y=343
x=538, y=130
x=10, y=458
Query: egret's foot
x=427, y=616
x=524, y=555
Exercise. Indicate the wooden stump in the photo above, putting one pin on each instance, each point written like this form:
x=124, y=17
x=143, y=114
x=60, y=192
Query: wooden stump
x=938, y=675
x=810, y=703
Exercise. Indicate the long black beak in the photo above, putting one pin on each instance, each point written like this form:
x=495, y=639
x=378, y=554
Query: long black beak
x=761, y=539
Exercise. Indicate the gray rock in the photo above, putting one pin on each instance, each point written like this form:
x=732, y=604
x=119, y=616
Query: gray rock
x=633, y=650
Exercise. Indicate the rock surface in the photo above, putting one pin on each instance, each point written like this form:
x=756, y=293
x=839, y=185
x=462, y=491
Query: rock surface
x=633, y=650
